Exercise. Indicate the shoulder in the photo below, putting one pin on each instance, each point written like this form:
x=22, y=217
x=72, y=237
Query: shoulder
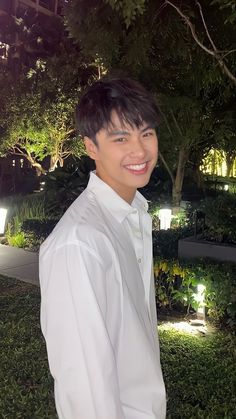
x=83, y=224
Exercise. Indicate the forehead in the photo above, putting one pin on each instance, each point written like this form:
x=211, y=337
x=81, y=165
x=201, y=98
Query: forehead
x=117, y=122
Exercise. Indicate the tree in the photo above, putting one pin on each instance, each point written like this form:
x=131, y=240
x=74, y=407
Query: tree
x=153, y=49
x=37, y=118
x=131, y=10
x=30, y=36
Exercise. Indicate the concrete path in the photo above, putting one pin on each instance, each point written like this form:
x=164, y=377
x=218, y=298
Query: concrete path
x=20, y=264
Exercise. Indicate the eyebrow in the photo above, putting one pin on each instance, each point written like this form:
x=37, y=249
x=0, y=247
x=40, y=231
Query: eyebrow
x=124, y=132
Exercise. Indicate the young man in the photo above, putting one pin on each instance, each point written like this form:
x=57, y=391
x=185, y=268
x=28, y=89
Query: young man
x=98, y=309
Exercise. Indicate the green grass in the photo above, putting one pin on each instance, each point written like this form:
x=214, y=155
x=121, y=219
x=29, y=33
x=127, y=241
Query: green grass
x=200, y=372
x=26, y=387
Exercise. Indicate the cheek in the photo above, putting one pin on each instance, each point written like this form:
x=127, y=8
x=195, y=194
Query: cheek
x=153, y=147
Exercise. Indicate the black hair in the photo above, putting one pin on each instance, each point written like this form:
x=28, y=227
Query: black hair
x=132, y=103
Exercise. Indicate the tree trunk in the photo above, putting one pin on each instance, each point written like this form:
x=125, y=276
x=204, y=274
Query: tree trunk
x=53, y=163
x=38, y=167
x=179, y=178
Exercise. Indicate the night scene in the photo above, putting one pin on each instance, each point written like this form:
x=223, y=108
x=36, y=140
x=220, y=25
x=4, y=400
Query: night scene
x=118, y=209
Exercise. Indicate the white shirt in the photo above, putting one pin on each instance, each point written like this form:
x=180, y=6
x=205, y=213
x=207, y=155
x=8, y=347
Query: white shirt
x=98, y=311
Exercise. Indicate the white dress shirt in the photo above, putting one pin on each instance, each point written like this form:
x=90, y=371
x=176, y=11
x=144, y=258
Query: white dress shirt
x=98, y=311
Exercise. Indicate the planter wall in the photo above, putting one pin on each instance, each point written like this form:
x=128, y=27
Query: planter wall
x=190, y=248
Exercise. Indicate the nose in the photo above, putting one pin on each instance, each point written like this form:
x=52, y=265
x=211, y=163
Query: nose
x=137, y=149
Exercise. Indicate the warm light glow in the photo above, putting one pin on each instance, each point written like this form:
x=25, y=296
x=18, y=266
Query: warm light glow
x=165, y=218
x=185, y=327
x=215, y=164
x=3, y=214
x=200, y=298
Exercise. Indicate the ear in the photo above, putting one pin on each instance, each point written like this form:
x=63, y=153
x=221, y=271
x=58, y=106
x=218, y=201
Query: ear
x=91, y=148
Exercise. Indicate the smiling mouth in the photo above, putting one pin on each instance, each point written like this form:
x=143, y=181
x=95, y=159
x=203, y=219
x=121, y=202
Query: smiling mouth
x=137, y=167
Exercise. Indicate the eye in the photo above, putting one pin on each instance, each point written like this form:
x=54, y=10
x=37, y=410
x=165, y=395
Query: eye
x=148, y=134
x=120, y=140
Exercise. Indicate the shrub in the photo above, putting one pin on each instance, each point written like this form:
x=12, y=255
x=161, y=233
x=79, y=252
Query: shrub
x=17, y=240
x=165, y=242
x=64, y=185
x=21, y=208
x=176, y=286
x=220, y=218
x=36, y=231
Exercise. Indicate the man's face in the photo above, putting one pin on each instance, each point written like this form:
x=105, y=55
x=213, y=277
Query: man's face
x=125, y=156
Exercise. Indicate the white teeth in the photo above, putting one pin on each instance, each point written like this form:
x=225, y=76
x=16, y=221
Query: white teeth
x=136, y=166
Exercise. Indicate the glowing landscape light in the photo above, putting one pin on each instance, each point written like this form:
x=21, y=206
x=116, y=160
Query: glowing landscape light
x=3, y=215
x=165, y=218
x=200, y=298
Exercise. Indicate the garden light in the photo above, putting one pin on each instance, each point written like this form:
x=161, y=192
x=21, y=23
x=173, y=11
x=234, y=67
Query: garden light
x=165, y=218
x=226, y=187
x=3, y=214
x=200, y=299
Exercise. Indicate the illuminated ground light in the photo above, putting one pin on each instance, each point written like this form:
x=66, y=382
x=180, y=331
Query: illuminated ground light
x=192, y=327
x=165, y=218
x=200, y=299
x=3, y=215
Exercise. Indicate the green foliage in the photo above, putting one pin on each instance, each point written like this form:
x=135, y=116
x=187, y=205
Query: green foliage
x=36, y=231
x=16, y=239
x=142, y=40
x=64, y=185
x=174, y=285
x=230, y=6
x=24, y=207
x=37, y=118
x=21, y=208
x=220, y=218
x=130, y=8
x=26, y=388
x=199, y=373
x=178, y=281
x=165, y=242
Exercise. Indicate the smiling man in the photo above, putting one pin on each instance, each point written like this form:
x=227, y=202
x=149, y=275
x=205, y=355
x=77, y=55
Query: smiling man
x=98, y=310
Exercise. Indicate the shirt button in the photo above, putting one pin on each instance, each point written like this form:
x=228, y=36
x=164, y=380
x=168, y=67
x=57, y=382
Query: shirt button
x=139, y=260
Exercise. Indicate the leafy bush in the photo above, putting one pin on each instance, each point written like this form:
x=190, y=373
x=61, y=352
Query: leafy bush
x=220, y=218
x=21, y=208
x=36, y=231
x=17, y=240
x=165, y=242
x=64, y=185
x=176, y=287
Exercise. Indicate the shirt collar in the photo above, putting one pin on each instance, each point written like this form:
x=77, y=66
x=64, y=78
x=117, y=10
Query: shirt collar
x=117, y=206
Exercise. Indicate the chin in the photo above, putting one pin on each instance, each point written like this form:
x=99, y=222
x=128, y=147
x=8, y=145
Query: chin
x=143, y=183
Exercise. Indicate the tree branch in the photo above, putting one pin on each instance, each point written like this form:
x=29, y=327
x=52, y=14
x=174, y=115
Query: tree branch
x=205, y=26
x=167, y=167
x=214, y=53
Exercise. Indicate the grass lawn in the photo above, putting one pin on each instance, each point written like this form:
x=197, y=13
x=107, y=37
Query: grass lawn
x=200, y=372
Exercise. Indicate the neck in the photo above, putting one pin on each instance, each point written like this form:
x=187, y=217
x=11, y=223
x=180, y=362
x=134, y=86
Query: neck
x=124, y=192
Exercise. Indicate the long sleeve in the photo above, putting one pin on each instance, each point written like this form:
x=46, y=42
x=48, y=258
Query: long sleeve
x=81, y=356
